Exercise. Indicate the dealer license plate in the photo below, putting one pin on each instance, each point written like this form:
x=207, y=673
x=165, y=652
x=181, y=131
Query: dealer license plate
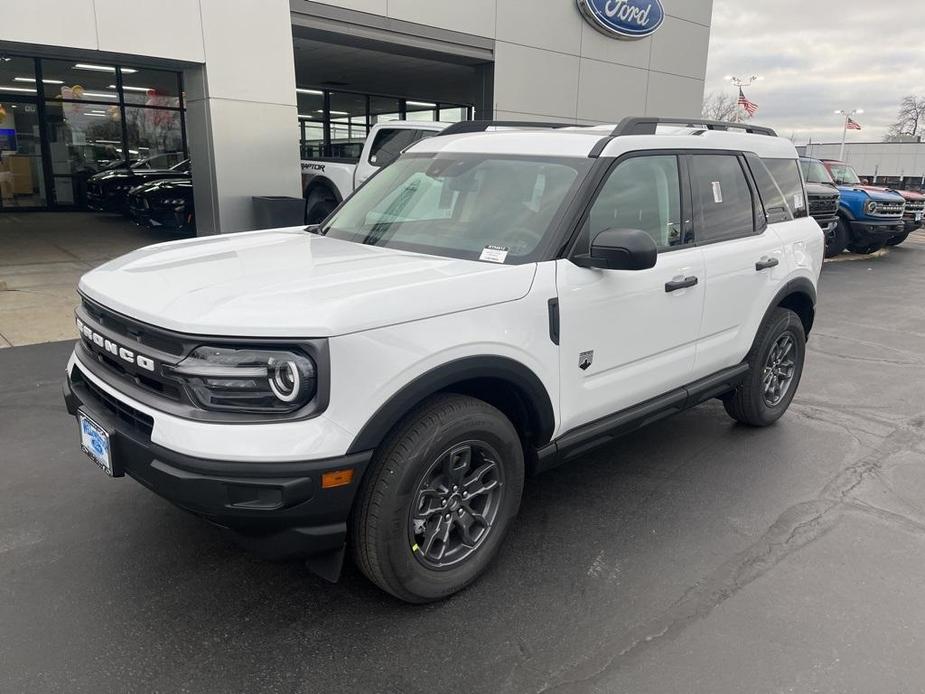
x=918, y=216
x=94, y=441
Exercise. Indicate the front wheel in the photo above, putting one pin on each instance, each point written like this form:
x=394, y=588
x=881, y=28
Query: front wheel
x=438, y=499
x=775, y=367
x=898, y=239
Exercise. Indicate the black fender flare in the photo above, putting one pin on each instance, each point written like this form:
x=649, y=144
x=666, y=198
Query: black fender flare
x=846, y=212
x=442, y=378
x=321, y=182
x=797, y=286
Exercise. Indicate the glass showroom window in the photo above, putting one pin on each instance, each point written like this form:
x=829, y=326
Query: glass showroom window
x=311, y=122
x=155, y=137
x=75, y=119
x=22, y=180
x=382, y=109
x=349, y=126
x=420, y=110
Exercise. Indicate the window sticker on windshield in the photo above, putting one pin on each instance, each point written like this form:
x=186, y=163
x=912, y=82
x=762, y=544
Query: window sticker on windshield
x=717, y=193
x=494, y=254
x=798, y=202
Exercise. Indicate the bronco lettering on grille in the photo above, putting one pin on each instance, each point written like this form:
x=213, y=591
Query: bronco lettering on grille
x=107, y=345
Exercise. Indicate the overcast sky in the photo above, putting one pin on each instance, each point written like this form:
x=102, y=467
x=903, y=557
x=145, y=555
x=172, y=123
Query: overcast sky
x=820, y=55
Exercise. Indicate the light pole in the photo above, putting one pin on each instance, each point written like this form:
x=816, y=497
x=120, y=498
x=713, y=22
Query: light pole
x=844, y=133
x=738, y=83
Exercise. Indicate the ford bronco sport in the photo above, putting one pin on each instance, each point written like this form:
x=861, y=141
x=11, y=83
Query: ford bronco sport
x=497, y=301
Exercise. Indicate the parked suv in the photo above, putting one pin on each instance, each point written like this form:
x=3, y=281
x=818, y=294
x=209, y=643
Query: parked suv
x=492, y=304
x=868, y=217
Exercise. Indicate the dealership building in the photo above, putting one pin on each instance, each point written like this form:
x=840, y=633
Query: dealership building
x=245, y=88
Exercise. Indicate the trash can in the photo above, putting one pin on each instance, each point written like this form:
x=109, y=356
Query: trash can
x=273, y=211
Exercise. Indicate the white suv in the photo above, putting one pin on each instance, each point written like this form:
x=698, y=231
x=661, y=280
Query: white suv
x=497, y=301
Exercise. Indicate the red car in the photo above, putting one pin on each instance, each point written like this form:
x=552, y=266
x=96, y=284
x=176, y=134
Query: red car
x=843, y=174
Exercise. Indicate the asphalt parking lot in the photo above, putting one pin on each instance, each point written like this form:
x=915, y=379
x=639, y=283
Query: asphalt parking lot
x=694, y=556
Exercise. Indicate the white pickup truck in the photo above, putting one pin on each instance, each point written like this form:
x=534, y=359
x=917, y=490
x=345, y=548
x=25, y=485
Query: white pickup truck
x=327, y=181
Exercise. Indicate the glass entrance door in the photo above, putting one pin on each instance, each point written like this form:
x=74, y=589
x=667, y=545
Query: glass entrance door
x=22, y=171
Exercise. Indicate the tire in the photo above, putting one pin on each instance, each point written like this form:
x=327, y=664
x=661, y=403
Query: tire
x=749, y=403
x=898, y=239
x=836, y=240
x=865, y=248
x=319, y=205
x=396, y=550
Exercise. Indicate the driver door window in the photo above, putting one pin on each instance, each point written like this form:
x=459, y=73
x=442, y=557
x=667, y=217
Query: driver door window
x=641, y=193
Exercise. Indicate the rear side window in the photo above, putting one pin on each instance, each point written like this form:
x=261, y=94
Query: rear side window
x=723, y=204
x=775, y=203
x=786, y=173
x=390, y=142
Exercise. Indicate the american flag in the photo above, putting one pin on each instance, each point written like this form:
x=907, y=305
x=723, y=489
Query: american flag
x=853, y=124
x=750, y=107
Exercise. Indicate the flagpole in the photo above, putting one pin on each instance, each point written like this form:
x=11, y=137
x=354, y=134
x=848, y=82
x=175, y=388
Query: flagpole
x=844, y=136
x=738, y=84
x=844, y=133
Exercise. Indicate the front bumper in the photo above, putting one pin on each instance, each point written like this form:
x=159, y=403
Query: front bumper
x=277, y=509
x=912, y=225
x=105, y=201
x=827, y=224
x=877, y=230
x=160, y=217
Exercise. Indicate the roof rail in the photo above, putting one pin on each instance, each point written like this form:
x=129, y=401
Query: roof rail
x=478, y=126
x=646, y=125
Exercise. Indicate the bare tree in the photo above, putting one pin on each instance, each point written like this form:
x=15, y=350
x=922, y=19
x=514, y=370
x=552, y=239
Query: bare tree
x=910, y=120
x=719, y=106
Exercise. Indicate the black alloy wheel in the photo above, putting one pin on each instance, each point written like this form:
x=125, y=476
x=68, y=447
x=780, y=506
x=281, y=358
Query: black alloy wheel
x=456, y=504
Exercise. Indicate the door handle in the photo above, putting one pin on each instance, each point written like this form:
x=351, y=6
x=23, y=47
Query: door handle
x=766, y=263
x=675, y=285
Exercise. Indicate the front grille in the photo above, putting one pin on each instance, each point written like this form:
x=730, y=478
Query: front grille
x=141, y=340
x=823, y=206
x=915, y=207
x=134, y=419
x=889, y=209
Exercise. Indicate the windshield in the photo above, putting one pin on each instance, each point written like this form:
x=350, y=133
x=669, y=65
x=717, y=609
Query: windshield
x=480, y=207
x=844, y=174
x=814, y=171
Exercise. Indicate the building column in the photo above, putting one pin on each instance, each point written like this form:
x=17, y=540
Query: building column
x=242, y=117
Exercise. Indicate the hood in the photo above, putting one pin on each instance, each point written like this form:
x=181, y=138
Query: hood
x=906, y=195
x=164, y=185
x=289, y=283
x=875, y=193
x=821, y=190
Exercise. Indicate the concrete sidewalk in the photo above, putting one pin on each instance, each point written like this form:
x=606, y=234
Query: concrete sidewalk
x=42, y=256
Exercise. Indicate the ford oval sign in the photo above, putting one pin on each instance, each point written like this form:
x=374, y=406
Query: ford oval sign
x=625, y=19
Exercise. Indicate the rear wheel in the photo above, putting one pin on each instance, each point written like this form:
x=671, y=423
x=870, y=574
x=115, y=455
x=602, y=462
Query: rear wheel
x=898, y=239
x=865, y=248
x=319, y=205
x=438, y=499
x=836, y=240
x=775, y=367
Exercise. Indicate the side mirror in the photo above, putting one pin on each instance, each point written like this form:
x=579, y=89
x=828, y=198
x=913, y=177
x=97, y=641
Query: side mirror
x=620, y=249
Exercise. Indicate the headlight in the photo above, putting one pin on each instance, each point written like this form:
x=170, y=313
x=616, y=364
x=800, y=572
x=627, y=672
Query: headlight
x=248, y=380
x=870, y=207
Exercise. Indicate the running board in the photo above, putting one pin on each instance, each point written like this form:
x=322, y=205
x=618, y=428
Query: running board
x=604, y=430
